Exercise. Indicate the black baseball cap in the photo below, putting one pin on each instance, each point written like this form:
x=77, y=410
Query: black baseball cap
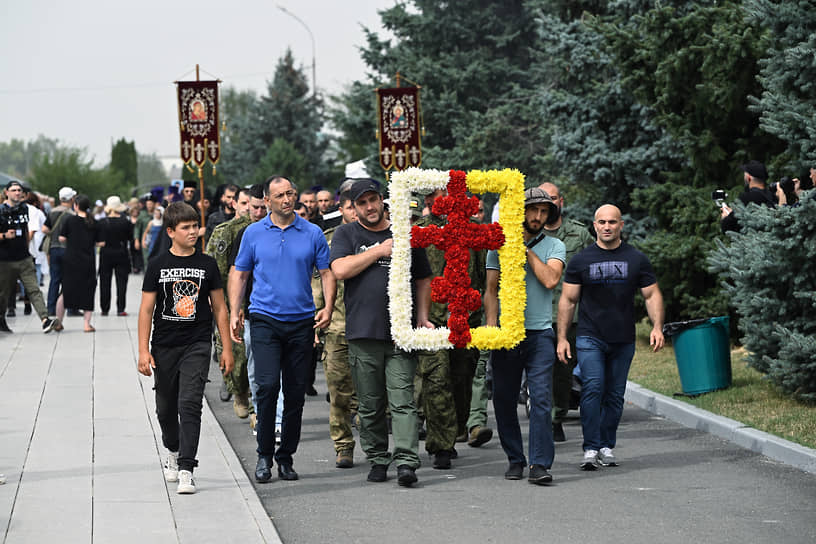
x=14, y=182
x=362, y=186
x=755, y=169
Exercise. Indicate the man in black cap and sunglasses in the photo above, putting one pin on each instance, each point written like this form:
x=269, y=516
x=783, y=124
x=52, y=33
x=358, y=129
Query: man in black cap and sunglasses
x=754, y=175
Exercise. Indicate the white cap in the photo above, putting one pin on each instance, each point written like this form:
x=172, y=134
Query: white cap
x=66, y=194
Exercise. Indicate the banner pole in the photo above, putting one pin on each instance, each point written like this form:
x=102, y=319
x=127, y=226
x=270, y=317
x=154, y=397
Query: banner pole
x=201, y=203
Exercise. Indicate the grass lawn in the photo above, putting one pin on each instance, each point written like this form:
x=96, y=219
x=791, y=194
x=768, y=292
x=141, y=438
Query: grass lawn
x=751, y=399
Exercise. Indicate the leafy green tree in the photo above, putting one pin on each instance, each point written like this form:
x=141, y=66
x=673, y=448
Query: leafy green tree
x=237, y=164
x=769, y=278
x=150, y=170
x=471, y=58
x=282, y=158
x=124, y=160
x=69, y=166
x=787, y=103
x=17, y=156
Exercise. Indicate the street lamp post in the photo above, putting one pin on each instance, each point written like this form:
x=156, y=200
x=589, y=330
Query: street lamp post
x=309, y=30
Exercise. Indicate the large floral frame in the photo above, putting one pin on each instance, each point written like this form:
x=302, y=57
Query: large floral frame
x=509, y=184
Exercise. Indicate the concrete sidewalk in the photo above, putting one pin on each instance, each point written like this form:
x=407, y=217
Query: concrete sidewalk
x=81, y=449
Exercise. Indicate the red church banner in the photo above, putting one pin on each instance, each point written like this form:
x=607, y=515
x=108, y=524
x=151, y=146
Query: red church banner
x=399, y=127
x=198, y=120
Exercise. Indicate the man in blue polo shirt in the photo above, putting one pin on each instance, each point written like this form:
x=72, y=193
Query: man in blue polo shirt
x=280, y=251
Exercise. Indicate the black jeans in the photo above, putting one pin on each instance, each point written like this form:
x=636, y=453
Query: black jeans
x=110, y=264
x=283, y=353
x=179, y=379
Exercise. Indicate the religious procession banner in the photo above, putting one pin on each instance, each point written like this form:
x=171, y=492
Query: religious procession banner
x=399, y=127
x=198, y=121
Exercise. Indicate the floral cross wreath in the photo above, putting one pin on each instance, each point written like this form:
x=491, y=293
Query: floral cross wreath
x=509, y=184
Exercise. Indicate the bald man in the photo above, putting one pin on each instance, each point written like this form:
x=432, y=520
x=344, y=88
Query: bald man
x=604, y=278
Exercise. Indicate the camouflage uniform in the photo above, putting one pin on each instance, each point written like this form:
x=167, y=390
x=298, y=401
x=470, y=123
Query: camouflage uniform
x=219, y=246
x=342, y=397
x=447, y=375
x=576, y=237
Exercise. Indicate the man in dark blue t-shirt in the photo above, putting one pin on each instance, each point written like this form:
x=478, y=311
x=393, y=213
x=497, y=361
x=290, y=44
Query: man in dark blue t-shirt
x=604, y=278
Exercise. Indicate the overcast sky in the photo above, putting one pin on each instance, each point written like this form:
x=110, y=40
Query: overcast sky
x=89, y=72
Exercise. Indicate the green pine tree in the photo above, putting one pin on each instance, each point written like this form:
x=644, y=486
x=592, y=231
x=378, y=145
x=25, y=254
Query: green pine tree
x=770, y=280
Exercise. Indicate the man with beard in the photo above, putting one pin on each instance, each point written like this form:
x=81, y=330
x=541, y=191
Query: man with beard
x=382, y=372
x=225, y=212
x=536, y=353
x=576, y=237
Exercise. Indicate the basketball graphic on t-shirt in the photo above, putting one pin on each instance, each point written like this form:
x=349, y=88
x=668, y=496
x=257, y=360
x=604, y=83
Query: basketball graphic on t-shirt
x=185, y=295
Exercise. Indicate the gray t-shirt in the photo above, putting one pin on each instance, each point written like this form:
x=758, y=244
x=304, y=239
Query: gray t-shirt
x=366, y=294
x=538, y=311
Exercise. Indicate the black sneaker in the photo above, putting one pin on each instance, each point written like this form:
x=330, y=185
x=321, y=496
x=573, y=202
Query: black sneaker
x=442, y=460
x=378, y=473
x=3, y=325
x=27, y=308
x=11, y=313
x=49, y=324
x=539, y=475
x=558, y=433
x=311, y=391
x=406, y=476
x=515, y=471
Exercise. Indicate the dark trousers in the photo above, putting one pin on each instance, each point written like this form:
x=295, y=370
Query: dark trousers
x=283, y=355
x=179, y=379
x=110, y=264
x=55, y=256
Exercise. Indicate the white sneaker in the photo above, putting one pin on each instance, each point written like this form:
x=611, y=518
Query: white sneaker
x=171, y=471
x=607, y=458
x=2, y=479
x=186, y=484
x=590, y=461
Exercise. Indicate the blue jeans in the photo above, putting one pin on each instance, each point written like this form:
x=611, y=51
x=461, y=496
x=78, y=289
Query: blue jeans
x=604, y=369
x=283, y=356
x=535, y=355
x=55, y=256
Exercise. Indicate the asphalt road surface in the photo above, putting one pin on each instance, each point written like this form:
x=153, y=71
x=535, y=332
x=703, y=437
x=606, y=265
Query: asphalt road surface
x=674, y=485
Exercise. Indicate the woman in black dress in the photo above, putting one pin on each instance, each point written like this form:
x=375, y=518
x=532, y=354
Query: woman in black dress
x=79, y=234
x=116, y=231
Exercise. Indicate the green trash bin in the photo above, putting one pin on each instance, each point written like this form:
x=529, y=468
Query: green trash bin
x=703, y=353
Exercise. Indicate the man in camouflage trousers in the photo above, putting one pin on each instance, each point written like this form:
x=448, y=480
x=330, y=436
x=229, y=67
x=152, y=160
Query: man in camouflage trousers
x=220, y=246
x=576, y=236
x=447, y=375
x=342, y=397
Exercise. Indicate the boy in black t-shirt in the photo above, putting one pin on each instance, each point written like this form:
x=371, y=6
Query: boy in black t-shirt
x=182, y=291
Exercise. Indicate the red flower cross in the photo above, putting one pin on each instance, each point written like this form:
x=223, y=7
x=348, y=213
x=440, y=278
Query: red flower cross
x=455, y=238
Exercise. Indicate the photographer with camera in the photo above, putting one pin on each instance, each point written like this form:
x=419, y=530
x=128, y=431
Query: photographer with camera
x=15, y=260
x=755, y=191
x=784, y=192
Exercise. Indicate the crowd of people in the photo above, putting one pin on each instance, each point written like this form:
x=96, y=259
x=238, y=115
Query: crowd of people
x=292, y=280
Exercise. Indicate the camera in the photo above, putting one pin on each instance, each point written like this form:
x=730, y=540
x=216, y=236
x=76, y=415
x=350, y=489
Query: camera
x=719, y=197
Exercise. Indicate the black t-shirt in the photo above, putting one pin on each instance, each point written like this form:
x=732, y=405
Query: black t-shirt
x=609, y=280
x=82, y=237
x=116, y=232
x=366, y=294
x=16, y=218
x=182, y=285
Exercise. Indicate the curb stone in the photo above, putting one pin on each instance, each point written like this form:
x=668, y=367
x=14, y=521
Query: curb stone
x=766, y=444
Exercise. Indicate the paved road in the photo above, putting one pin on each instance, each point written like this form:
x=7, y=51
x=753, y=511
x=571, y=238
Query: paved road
x=675, y=485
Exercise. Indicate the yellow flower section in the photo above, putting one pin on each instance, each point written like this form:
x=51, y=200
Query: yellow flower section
x=512, y=289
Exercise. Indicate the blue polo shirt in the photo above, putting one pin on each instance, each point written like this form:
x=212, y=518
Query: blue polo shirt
x=281, y=262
